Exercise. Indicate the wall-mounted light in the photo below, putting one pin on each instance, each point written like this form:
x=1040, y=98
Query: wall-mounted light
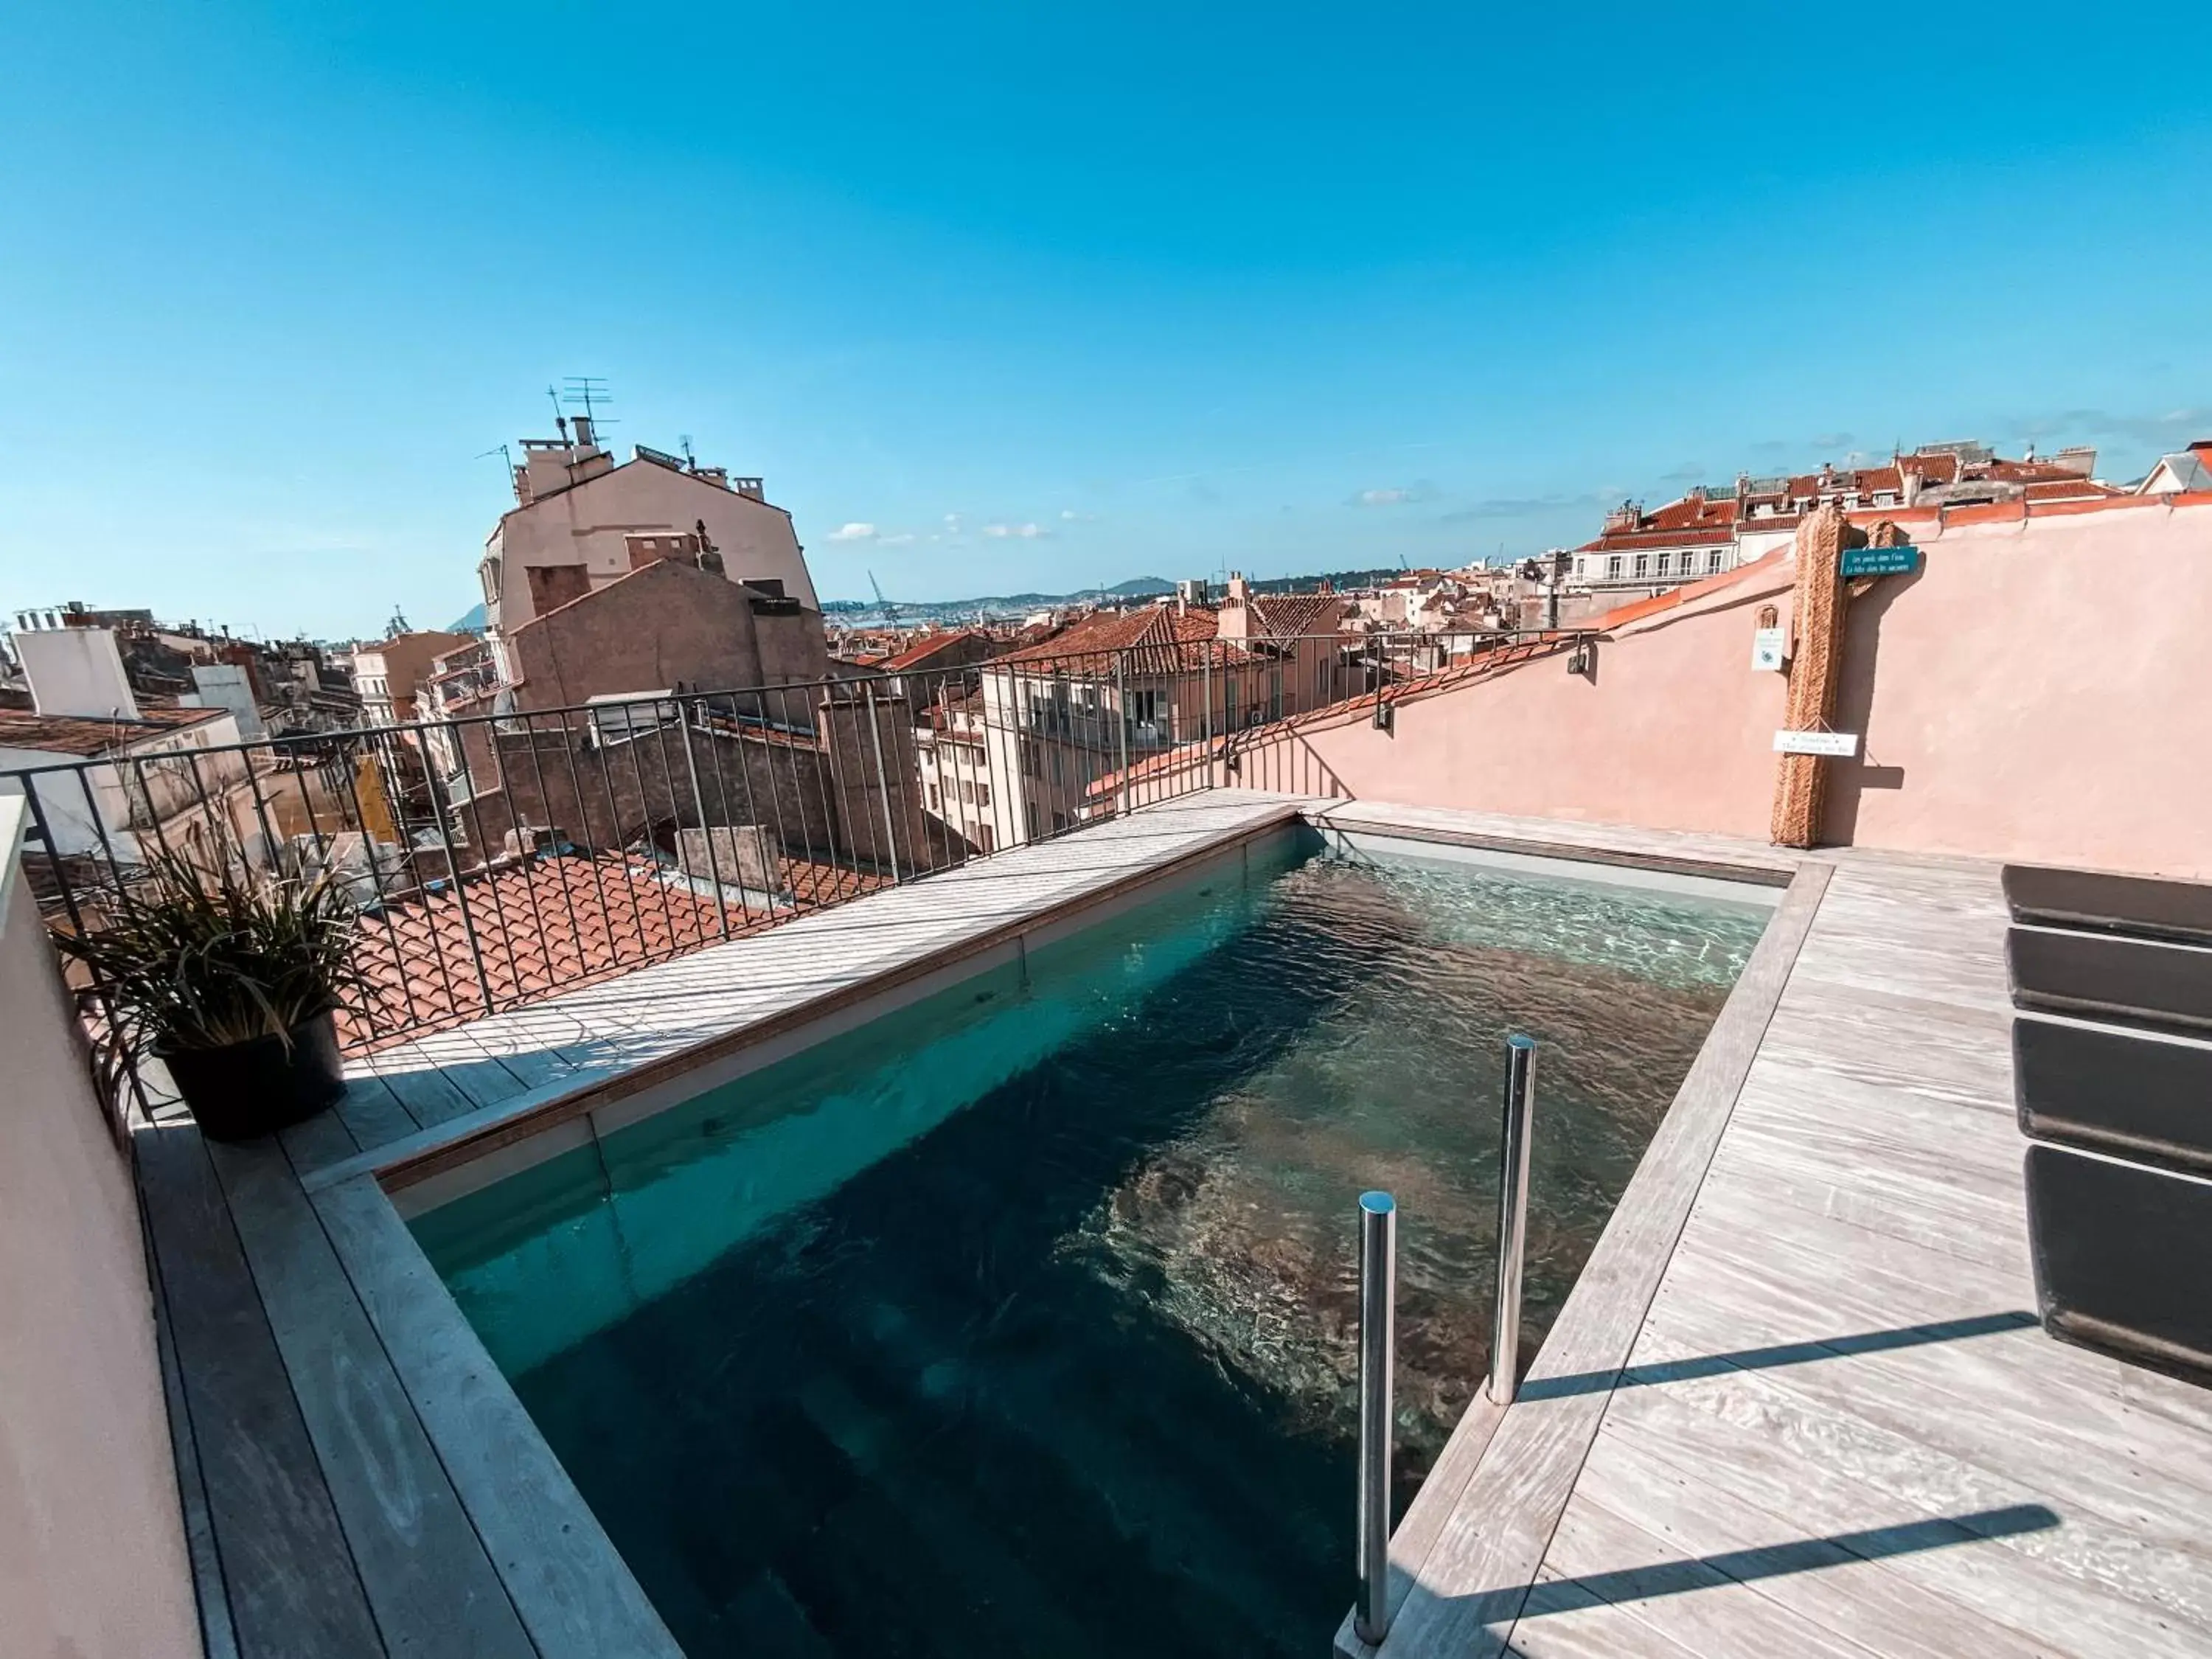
x=1582, y=659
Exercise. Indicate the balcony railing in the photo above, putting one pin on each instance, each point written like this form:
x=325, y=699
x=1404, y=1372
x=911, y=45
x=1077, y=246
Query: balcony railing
x=497, y=858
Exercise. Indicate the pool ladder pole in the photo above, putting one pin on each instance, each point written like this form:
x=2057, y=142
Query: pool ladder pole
x=1512, y=1216
x=1378, y=1295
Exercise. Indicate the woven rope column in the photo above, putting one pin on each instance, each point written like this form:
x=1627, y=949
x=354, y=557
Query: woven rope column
x=1818, y=608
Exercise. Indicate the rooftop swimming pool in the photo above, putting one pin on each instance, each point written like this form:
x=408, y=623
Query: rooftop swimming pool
x=1020, y=1322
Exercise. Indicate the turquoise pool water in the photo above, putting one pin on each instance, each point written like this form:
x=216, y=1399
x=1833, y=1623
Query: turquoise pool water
x=1019, y=1322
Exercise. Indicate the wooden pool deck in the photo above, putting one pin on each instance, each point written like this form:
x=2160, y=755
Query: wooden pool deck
x=1796, y=1405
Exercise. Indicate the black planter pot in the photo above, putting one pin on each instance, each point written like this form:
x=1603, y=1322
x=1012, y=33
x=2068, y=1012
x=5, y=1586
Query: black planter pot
x=260, y=1085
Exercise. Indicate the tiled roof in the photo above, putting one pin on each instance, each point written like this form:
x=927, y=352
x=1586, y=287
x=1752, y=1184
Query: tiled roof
x=1696, y=519
x=86, y=736
x=926, y=647
x=546, y=924
x=1291, y=616
x=1638, y=540
x=1160, y=638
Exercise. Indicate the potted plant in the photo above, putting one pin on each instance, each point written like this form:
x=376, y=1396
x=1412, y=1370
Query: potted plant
x=233, y=980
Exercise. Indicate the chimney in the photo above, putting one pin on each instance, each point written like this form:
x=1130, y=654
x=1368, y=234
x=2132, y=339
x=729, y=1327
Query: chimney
x=581, y=425
x=1237, y=609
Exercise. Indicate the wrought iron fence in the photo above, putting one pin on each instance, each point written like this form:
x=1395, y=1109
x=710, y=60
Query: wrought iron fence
x=503, y=854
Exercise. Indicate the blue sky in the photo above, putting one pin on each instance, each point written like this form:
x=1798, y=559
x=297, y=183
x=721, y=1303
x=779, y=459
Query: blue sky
x=1143, y=290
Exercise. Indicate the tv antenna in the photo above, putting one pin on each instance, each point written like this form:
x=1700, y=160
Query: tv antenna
x=683, y=443
x=588, y=393
x=504, y=453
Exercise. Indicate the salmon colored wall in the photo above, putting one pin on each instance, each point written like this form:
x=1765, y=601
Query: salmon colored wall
x=2036, y=691
x=92, y=1548
x=1675, y=731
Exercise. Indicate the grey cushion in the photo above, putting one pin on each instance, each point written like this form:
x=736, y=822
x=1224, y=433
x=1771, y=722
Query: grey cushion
x=2118, y=904
x=2118, y=1253
x=2140, y=981
x=2138, y=1096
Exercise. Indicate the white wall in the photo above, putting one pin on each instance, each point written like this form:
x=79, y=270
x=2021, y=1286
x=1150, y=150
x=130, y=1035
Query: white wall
x=92, y=1545
x=75, y=671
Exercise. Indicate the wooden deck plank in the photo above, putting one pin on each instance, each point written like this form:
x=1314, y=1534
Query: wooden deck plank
x=218, y=1635
x=2080, y=1586
x=1844, y=1584
x=322, y=1138
x=427, y=1577
x=1687, y=1600
x=1989, y=1399
x=288, y=1578
x=575, y=1596
x=371, y=1113
x=431, y=1097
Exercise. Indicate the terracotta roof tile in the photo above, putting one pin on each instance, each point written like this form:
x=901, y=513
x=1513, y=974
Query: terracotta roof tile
x=548, y=924
x=86, y=735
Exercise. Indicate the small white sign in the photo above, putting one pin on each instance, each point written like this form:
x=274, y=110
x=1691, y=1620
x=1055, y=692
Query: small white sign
x=1769, y=648
x=1816, y=742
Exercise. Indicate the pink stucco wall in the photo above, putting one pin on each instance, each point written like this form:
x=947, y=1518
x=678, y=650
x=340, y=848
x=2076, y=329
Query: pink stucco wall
x=2036, y=691
x=1673, y=731
x=91, y=1549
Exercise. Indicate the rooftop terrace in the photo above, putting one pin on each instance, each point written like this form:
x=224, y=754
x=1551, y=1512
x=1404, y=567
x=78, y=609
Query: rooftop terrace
x=1799, y=1400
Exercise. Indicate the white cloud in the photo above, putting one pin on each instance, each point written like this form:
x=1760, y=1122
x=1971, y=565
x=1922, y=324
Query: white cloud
x=899, y=540
x=952, y=521
x=854, y=533
x=1023, y=532
x=1382, y=497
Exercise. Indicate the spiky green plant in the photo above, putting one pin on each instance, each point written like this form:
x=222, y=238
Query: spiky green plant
x=192, y=959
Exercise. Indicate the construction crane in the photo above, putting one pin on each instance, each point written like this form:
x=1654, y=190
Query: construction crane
x=891, y=614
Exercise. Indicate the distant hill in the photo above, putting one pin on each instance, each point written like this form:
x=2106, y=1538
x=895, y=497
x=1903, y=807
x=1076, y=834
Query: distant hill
x=996, y=604
x=470, y=622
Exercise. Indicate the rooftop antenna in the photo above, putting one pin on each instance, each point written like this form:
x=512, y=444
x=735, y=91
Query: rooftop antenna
x=397, y=625
x=683, y=443
x=504, y=453
x=590, y=393
x=559, y=419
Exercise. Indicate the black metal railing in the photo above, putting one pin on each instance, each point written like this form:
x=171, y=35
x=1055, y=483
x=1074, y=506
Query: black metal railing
x=503, y=854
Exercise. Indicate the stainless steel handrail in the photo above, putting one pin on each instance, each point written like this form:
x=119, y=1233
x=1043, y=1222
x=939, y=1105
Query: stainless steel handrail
x=1512, y=1216
x=1378, y=1289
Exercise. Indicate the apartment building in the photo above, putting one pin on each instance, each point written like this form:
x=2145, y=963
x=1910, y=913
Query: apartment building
x=158, y=780
x=1715, y=529
x=1118, y=687
x=582, y=520
x=388, y=674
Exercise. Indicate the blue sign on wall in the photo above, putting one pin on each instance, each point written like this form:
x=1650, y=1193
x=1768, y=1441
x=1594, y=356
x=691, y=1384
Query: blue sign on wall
x=1880, y=561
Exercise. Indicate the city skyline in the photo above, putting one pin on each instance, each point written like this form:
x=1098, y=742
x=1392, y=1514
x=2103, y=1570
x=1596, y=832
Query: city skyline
x=996, y=308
